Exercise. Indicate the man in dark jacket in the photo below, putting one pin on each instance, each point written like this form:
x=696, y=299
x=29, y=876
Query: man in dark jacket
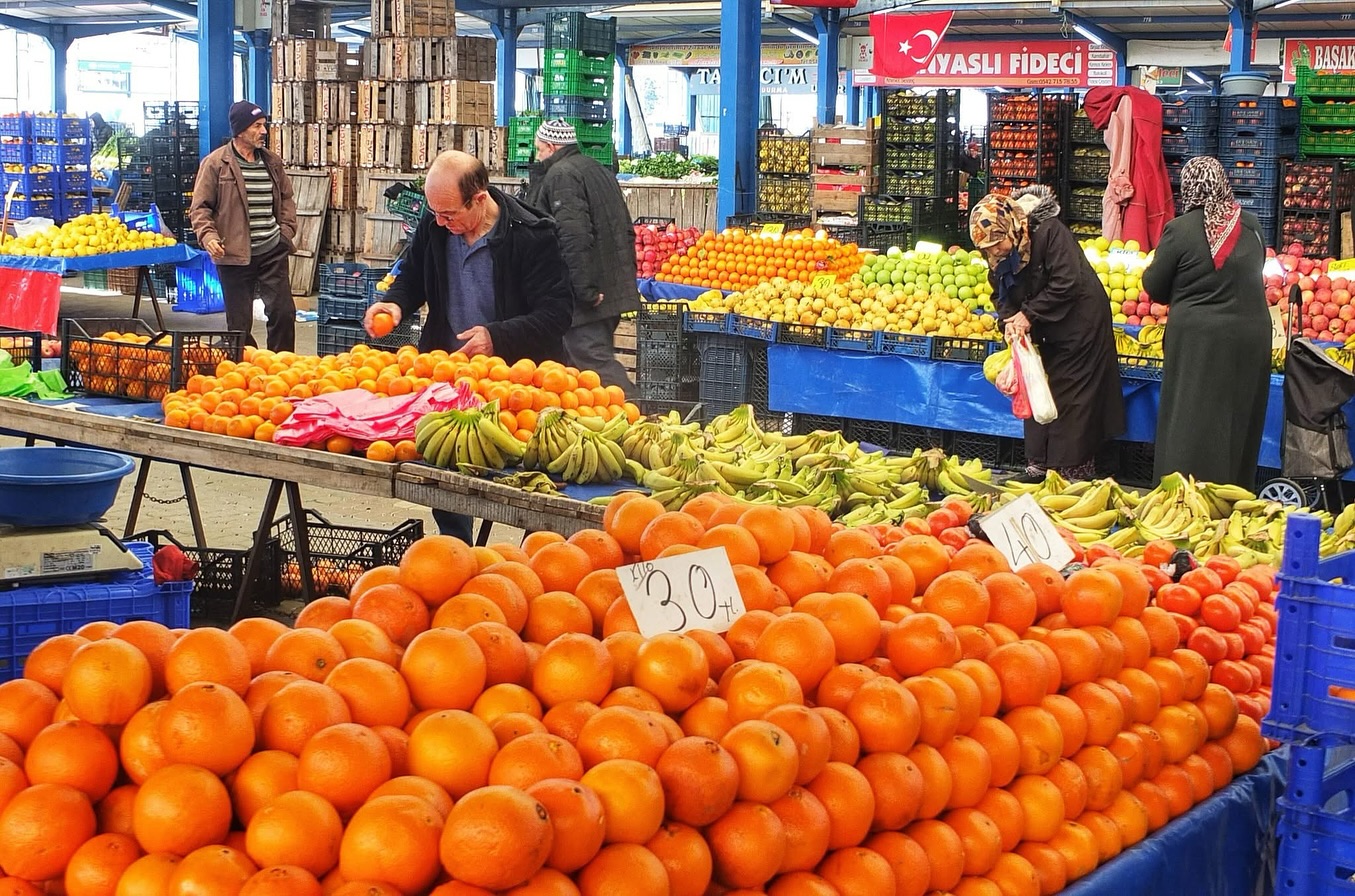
x=598, y=242
x=490, y=271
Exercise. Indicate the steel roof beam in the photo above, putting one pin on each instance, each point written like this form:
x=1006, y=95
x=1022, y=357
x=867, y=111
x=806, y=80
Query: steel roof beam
x=28, y=26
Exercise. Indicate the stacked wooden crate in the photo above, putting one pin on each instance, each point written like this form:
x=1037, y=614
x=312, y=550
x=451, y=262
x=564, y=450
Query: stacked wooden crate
x=844, y=161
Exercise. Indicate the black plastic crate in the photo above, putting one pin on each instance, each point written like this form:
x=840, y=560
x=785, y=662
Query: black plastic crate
x=1314, y=231
x=143, y=371
x=339, y=554
x=1254, y=174
x=879, y=433
x=724, y=369
x=578, y=107
x=910, y=345
x=803, y=334
x=955, y=348
x=576, y=31
x=1136, y=463
x=915, y=210
x=1190, y=113
x=1252, y=114
x=1261, y=202
x=335, y=336
x=908, y=437
x=351, y=279
x=22, y=345
x=968, y=445
x=221, y=572
x=845, y=339
x=755, y=220
x=884, y=236
x=1081, y=129
x=759, y=378
x=1013, y=453
x=807, y=423
x=1190, y=144
x=1318, y=185
x=936, y=104
x=1085, y=207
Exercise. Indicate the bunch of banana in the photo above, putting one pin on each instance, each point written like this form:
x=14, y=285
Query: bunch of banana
x=737, y=427
x=1089, y=514
x=451, y=438
x=1175, y=511
x=1343, y=355
x=1224, y=498
x=576, y=451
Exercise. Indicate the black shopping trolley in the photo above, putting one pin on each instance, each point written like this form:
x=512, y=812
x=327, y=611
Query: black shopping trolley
x=1314, y=440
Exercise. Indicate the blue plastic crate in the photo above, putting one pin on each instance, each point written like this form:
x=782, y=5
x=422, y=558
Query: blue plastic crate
x=73, y=180
x=32, y=183
x=850, y=340
x=1314, y=640
x=1316, y=832
x=20, y=125
x=31, y=615
x=1262, y=203
x=753, y=327
x=61, y=127
x=1134, y=367
x=706, y=321
x=1248, y=114
x=1269, y=146
x=1190, y=144
x=1251, y=172
x=803, y=334
x=724, y=370
x=17, y=152
x=61, y=154
x=33, y=208
x=333, y=337
x=345, y=279
x=956, y=348
x=348, y=309
x=73, y=206
x=1192, y=112
x=907, y=344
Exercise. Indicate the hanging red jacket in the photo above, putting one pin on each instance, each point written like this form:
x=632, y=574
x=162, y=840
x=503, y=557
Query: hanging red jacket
x=1149, y=204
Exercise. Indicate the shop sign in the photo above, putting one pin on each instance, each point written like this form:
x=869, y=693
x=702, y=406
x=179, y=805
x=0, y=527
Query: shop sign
x=773, y=80
x=1039, y=63
x=94, y=76
x=1163, y=75
x=1334, y=55
x=708, y=55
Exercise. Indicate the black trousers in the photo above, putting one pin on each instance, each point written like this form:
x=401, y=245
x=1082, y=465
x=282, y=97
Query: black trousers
x=268, y=275
x=592, y=346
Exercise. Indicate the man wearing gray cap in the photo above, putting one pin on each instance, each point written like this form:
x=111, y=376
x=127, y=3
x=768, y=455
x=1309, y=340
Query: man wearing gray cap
x=245, y=218
x=598, y=243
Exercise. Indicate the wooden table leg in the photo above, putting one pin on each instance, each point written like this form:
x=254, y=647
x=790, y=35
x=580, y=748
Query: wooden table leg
x=303, y=541
x=252, y=566
x=194, y=512
x=138, y=492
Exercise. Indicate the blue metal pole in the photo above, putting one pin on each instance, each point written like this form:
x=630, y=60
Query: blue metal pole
x=828, y=27
x=506, y=83
x=61, y=45
x=260, y=68
x=853, y=105
x=740, y=57
x=691, y=106
x=1241, y=17
x=623, y=123
x=216, y=71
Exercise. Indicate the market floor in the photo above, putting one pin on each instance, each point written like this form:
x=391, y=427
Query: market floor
x=230, y=504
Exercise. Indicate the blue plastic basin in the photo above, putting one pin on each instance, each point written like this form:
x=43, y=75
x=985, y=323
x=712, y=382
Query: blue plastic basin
x=58, y=486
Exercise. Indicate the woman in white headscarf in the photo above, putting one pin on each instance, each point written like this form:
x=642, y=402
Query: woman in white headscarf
x=1216, y=368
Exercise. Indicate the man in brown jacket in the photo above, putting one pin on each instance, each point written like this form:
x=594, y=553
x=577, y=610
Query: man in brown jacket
x=244, y=216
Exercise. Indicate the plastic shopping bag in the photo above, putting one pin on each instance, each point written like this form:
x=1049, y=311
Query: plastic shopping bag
x=364, y=418
x=1034, y=383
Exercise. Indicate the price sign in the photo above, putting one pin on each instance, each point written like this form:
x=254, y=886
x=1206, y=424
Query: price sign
x=1124, y=253
x=682, y=593
x=1345, y=265
x=1024, y=534
x=773, y=229
x=925, y=248
x=1277, y=335
x=823, y=281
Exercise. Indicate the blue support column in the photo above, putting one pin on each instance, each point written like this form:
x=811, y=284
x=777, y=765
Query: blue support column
x=828, y=27
x=216, y=71
x=691, y=105
x=260, y=66
x=740, y=58
x=1094, y=32
x=505, y=31
x=1241, y=17
x=623, y=123
x=853, y=100
x=61, y=45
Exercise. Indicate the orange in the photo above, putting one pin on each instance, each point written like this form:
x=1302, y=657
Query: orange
x=1022, y=673
x=180, y=808
x=436, y=566
x=857, y=872
x=847, y=796
x=767, y=758
x=392, y=840
x=208, y=725
x=944, y=849
x=496, y=837
x=577, y=819
x=453, y=749
x=395, y=609
x=685, y=856
x=748, y=845
x=259, y=779
x=47, y=663
x=257, y=634
x=282, y=880
x=505, y=655
x=97, y=865
x=148, y=874
x=444, y=668
x=208, y=654
x=925, y=556
x=211, y=869
x=981, y=837
x=674, y=668
x=297, y=712
x=572, y=667
x=920, y=642
x=503, y=699
x=619, y=732
x=799, y=643
x=1103, y=774
x=938, y=781
x=886, y=716
x=74, y=753
x=1070, y=780
x=41, y=828
x=700, y=780
x=737, y=541
x=374, y=692
x=1003, y=748
x=323, y=612
x=632, y=797
x=958, y=597
x=296, y=828
x=553, y=613
x=1040, y=736
x=753, y=688
x=907, y=858
x=624, y=868
x=107, y=681
x=807, y=827
x=865, y=576
x=344, y=763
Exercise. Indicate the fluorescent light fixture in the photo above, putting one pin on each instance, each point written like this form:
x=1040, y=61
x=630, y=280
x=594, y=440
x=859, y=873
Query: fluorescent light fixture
x=804, y=35
x=1087, y=34
x=1195, y=76
x=1283, y=3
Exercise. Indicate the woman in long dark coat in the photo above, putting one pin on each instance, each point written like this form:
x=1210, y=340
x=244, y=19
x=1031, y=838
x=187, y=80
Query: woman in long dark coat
x=1216, y=368
x=1046, y=288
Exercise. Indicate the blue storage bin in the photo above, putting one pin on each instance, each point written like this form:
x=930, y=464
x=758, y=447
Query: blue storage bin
x=753, y=327
x=347, y=279
x=199, y=287
x=33, y=208
x=61, y=154
x=906, y=344
x=1192, y=112
x=31, y=615
x=578, y=107
x=1316, y=831
x=17, y=152
x=61, y=127
x=707, y=321
x=1259, y=203
x=32, y=183
x=1314, y=640
x=336, y=336
x=851, y=340
x=1239, y=114
x=20, y=125
x=1190, y=144
x=74, y=180
x=74, y=206
x=1257, y=174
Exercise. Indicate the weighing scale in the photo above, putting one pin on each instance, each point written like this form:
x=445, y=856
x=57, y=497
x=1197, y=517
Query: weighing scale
x=30, y=555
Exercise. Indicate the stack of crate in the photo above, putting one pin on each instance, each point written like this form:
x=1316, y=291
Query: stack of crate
x=783, y=177
x=1314, y=195
x=920, y=138
x=47, y=157
x=1088, y=172
x=1190, y=128
x=1255, y=135
x=1025, y=135
x=521, y=149
x=578, y=78
x=1327, y=112
x=844, y=163
x=165, y=165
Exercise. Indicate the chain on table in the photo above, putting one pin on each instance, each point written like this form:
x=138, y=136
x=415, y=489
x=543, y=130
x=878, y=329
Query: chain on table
x=165, y=501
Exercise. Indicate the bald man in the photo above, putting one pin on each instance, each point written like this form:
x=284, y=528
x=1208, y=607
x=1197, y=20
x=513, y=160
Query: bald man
x=490, y=272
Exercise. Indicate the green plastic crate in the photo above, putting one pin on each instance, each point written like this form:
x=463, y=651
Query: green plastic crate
x=595, y=87
x=1310, y=83
x=591, y=132
x=523, y=127
x=573, y=62
x=1326, y=143
x=603, y=152
x=1328, y=113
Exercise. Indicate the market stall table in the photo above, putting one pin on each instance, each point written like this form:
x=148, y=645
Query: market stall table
x=458, y=493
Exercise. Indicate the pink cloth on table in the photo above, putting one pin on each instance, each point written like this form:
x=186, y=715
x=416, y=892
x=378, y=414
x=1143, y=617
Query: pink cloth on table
x=365, y=418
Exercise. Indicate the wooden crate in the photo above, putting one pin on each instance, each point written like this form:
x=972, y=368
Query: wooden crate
x=1347, y=235
x=311, y=192
x=409, y=59
x=454, y=102
x=688, y=205
x=414, y=18
x=343, y=63
x=429, y=140
x=340, y=146
x=372, y=186
x=289, y=140
x=336, y=102
x=293, y=101
x=296, y=58
x=838, y=198
x=343, y=232
x=386, y=102
x=385, y=146
x=383, y=235
x=476, y=59
x=343, y=188
x=623, y=343
x=300, y=19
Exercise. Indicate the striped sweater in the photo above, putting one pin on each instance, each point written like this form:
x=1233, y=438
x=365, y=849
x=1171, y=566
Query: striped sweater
x=264, y=232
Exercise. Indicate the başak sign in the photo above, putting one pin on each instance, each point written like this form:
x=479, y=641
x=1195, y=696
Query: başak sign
x=1039, y=63
x=1323, y=55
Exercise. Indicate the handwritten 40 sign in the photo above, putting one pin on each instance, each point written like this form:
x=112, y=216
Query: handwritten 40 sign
x=677, y=594
x=1023, y=533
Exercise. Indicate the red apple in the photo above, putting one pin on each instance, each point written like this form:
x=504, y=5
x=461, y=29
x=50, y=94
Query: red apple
x=1133, y=320
x=1143, y=309
x=1128, y=309
x=1320, y=322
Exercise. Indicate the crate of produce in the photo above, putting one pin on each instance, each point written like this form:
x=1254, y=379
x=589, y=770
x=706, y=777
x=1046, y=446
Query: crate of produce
x=1311, y=83
x=408, y=206
x=95, y=362
x=1327, y=112
x=908, y=158
x=1085, y=205
x=16, y=152
x=1267, y=146
x=350, y=280
x=578, y=107
x=803, y=424
x=1260, y=203
x=1327, y=142
x=1314, y=650
x=22, y=346
x=31, y=183
x=31, y=614
x=1194, y=112
x=221, y=572
x=73, y=206
x=565, y=59
x=706, y=321
x=783, y=194
x=909, y=345
x=338, y=554
x=74, y=180
x=1250, y=114
x=916, y=210
x=1089, y=163
x=753, y=327
x=724, y=371
x=803, y=334
x=1081, y=130
x=61, y=127
x=1314, y=231
x=576, y=31
x=1190, y=144
x=956, y=348
x=937, y=104
x=782, y=155
x=33, y=208
x=61, y=155
x=16, y=124
x=575, y=84
x=1318, y=186
x=882, y=237
x=1137, y=367
x=337, y=336
x=846, y=339
x=1251, y=172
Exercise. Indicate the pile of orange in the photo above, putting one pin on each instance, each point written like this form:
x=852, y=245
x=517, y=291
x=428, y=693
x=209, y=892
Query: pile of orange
x=129, y=364
x=250, y=400
x=736, y=259
x=890, y=716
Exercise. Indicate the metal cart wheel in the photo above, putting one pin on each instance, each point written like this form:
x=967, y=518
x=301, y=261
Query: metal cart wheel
x=1286, y=491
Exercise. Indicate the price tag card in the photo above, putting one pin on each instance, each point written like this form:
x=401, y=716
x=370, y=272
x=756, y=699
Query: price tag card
x=1024, y=534
x=683, y=593
x=925, y=248
x=1344, y=266
x=771, y=229
x=823, y=281
x=1124, y=253
x=1277, y=335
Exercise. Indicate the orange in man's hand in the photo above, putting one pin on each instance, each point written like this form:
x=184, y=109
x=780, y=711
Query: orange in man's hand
x=382, y=324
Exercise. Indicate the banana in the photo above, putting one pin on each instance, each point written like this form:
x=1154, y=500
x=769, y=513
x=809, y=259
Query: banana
x=433, y=446
x=634, y=470
x=1058, y=503
x=1091, y=503
x=529, y=455
x=1097, y=521
x=492, y=432
x=560, y=462
x=448, y=455
x=493, y=457
x=588, y=465
x=474, y=450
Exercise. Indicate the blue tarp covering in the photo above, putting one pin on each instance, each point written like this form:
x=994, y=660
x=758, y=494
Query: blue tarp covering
x=163, y=255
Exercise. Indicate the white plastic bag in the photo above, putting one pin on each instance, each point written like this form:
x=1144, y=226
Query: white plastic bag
x=1036, y=384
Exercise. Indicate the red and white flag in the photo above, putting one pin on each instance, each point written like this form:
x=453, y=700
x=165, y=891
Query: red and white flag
x=905, y=42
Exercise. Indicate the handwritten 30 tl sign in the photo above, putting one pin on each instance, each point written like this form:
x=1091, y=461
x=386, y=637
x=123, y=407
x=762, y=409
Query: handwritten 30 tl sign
x=1047, y=63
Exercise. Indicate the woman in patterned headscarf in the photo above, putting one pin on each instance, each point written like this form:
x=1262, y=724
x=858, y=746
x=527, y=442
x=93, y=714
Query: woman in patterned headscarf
x=1046, y=289
x=1216, y=368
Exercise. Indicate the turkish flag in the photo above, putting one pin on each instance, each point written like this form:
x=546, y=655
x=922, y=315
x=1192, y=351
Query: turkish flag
x=905, y=42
